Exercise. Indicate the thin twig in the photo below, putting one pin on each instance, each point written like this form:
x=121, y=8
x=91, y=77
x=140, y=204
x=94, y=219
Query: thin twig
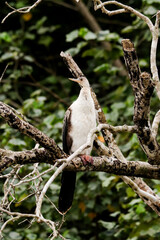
x=4, y=72
x=20, y=10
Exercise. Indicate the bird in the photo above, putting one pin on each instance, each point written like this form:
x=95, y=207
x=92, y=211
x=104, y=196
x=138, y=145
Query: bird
x=79, y=119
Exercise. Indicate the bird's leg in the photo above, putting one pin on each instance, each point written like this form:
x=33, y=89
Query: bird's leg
x=86, y=159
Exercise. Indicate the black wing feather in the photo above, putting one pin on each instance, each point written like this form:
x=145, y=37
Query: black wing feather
x=67, y=141
x=68, y=179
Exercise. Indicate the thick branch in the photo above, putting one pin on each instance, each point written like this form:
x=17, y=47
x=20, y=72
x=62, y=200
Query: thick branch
x=24, y=127
x=107, y=164
x=9, y=158
x=114, y=166
x=143, y=88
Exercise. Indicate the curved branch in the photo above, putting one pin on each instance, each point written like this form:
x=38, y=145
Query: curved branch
x=24, y=127
x=20, y=10
x=154, y=29
x=125, y=8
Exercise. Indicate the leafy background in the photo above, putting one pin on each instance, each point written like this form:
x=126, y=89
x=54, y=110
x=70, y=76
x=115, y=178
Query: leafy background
x=36, y=84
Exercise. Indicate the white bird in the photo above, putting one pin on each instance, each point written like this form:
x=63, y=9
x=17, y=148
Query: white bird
x=79, y=119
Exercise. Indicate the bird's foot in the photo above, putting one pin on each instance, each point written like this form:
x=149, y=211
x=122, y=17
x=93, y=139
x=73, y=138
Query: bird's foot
x=86, y=159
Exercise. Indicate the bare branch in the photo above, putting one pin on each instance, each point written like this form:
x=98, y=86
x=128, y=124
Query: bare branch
x=154, y=29
x=143, y=88
x=4, y=72
x=154, y=70
x=21, y=10
x=154, y=199
x=125, y=8
x=155, y=124
x=24, y=127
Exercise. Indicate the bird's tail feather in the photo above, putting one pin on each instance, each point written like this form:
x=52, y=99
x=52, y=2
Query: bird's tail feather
x=68, y=181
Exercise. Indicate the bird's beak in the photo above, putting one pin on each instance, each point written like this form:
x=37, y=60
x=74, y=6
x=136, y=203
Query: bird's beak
x=75, y=79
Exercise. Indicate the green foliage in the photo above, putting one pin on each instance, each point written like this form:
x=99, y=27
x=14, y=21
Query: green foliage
x=35, y=83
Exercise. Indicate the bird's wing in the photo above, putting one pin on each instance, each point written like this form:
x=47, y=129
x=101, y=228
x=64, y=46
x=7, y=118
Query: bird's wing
x=68, y=179
x=67, y=140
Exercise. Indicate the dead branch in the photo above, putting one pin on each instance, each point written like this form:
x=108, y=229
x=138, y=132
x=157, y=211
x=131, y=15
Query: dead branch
x=154, y=29
x=24, y=127
x=142, y=88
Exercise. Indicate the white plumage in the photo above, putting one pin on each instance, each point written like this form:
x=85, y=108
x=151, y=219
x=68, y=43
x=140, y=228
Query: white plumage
x=83, y=119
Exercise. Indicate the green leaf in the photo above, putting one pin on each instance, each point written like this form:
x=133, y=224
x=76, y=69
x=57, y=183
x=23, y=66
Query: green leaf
x=5, y=36
x=73, y=51
x=42, y=30
x=102, y=35
x=135, y=201
x=48, y=121
x=82, y=32
x=36, y=93
x=119, y=186
x=26, y=70
x=29, y=36
x=150, y=1
x=107, y=225
x=90, y=36
x=17, y=142
x=143, y=63
x=7, y=56
x=28, y=103
x=140, y=208
x=15, y=235
x=90, y=52
x=102, y=67
x=45, y=40
x=150, y=10
x=41, y=22
x=86, y=34
x=82, y=44
x=130, y=192
x=118, y=105
x=107, y=181
x=112, y=36
x=31, y=236
x=127, y=29
x=28, y=58
x=72, y=36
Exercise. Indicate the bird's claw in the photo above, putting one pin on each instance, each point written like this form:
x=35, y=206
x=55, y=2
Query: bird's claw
x=86, y=159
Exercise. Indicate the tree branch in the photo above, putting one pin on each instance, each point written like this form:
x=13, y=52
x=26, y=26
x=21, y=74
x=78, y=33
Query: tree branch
x=20, y=10
x=24, y=127
x=107, y=164
x=154, y=29
x=155, y=124
x=142, y=88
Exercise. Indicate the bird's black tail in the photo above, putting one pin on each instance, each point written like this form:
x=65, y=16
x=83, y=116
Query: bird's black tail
x=68, y=181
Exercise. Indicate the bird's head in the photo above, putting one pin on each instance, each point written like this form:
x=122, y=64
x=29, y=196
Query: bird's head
x=82, y=81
